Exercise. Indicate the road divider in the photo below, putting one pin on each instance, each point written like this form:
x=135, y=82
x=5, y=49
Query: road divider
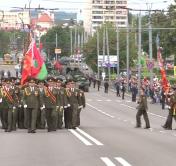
x=85, y=137
x=89, y=137
x=107, y=161
x=98, y=110
x=120, y=160
x=82, y=139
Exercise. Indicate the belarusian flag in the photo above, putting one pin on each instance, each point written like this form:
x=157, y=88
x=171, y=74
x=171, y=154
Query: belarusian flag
x=33, y=65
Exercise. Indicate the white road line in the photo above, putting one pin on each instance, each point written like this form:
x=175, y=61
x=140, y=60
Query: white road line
x=86, y=142
x=119, y=101
x=108, y=100
x=107, y=161
x=89, y=137
x=122, y=161
x=133, y=108
x=128, y=101
x=128, y=106
x=162, y=132
x=99, y=100
x=111, y=116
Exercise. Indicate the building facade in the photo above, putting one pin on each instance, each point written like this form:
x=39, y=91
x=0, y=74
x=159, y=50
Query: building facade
x=14, y=19
x=98, y=12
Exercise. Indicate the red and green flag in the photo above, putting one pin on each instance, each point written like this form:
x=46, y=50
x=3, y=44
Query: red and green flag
x=33, y=64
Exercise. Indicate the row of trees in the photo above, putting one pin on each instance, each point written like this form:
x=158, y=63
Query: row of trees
x=11, y=41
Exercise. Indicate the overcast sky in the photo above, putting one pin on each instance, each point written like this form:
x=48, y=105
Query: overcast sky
x=68, y=4
x=76, y=5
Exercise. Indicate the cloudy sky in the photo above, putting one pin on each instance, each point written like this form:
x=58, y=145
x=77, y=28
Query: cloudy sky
x=69, y=4
x=77, y=5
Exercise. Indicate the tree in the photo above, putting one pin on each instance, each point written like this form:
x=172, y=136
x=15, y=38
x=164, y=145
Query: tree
x=63, y=40
x=90, y=49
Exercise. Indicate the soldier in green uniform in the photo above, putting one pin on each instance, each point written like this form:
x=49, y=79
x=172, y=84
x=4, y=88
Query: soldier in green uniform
x=75, y=102
x=82, y=105
x=41, y=123
x=51, y=103
x=3, y=105
x=67, y=106
x=142, y=110
x=171, y=101
x=31, y=99
x=61, y=93
x=11, y=101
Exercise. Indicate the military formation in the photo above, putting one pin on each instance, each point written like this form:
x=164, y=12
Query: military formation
x=47, y=104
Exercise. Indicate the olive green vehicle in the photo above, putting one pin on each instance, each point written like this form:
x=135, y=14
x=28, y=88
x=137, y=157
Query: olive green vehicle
x=82, y=82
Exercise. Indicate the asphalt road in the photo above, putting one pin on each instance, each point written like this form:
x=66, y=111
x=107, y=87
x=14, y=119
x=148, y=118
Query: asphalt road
x=106, y=137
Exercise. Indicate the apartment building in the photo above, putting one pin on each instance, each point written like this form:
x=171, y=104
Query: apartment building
x=101, y=11
x=14, y=19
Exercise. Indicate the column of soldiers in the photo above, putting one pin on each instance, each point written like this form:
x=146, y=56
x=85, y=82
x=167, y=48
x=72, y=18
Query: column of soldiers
x=40, y=104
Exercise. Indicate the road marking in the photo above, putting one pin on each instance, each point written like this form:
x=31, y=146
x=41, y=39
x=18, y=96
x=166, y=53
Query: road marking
x=162, y=132
x=128, y=106
x=108, y=100
x=133, y=108
x=89, y=137
x=122, y=161
x=99, y=100
x=82, y=139
x=157, y=115
x=111, y=116
x=119, y=101
x=107, y=161
x=128, y=101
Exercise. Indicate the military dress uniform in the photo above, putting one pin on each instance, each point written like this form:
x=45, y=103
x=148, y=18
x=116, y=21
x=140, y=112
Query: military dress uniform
x=31, y=99
x=10, y=100
x=171, y=101
x=142, y=110
x=67, y=109
x=82, y=105
x=75, y=103
x=52, y=103
x=41, y=122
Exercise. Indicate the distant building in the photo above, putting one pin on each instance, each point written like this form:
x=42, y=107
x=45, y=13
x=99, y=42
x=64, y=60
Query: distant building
x=98, y=12
x=42, y=23
x=14, y=19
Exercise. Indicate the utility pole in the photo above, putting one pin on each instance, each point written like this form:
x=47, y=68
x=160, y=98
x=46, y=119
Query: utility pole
x=108, y=58
x=150, y=44
x=118, y=67
x=127, y=51
x=103, y=63
x=71, y=42
x=56, y=46
x=139, y=52
x=75, y=44
x=98, y=53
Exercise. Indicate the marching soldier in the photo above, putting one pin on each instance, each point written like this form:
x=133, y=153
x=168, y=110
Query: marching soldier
x=142, y=110
x=171, y=101
x=31, y=104
x=67, y=106
x=10, y=102
x=82, y=105
x=75, y=102
x=41, y=112
x=51, y=103
x=4, y=107
x=61, y=93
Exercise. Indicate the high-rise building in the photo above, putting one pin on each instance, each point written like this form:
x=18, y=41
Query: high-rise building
x=98, y=12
